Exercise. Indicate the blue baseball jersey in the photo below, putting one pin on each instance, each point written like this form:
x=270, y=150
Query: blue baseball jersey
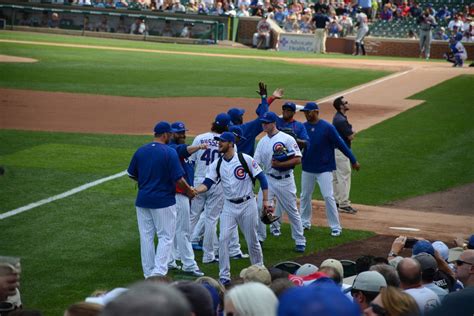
x=187, y=164
x=297, y=127
x=318, y=156
x=157, y=168
x=251, y=130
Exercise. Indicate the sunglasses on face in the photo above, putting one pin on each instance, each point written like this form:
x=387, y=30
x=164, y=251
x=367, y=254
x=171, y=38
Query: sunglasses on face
x=460, y=263
x=377, y=309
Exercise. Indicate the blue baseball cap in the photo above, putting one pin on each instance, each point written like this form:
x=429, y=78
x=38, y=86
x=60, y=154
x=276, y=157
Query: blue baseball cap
x=310, y=106
x=162, y=127
x=423, y=246
x=470, y=242
x=237, y=131
x=226, y=137
x=222, y=119
x=235, y=113
x=289, y=105
x=178, y=127
x=268, y=117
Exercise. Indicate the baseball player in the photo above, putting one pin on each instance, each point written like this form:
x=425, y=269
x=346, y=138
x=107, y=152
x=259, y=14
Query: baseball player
x=342, y=174
x=281, y=182
x=183, y=248
x=363, y=28
x=252, y=128
x=212, y=201
x=426, y=22
x=458, y=52
x=157, y=169
x=240, y=206
x=318, y=164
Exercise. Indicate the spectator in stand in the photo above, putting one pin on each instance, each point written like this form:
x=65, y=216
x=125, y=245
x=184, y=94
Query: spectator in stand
x=388, y=272
x=202, y=8
x=334, y=29
x=409, y=271
x=347, y=26
x=305, y=24
x=217, y=10
x=321, y=5
x=386, y=14
x=374, y=10
x=135, y=5
x=404, y=9
x=54, y=20
x=392, y=302
x=455, y=23
x=366, y=6
x=121, y=4
x=192, y=7
x=243, y=11
x=366, y=287
x=139, y=27
x=197, y=296
x=441, y=34
x=280, y=14
x=291, y=24
x=295, y=7
x=256, y=273
x=103, y=25
x=250, y=299
x=429, y=267
x=415, y=10
x=443, y=14
x=178, y=7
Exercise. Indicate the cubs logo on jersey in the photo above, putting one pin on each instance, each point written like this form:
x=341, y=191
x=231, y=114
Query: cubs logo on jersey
x=279, y=146
x=239, y=173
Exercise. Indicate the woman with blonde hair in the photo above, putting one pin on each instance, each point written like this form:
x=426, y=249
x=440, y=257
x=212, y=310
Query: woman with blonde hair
x=250, y=299
x=392, y=302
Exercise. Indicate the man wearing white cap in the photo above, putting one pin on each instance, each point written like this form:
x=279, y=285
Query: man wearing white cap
x=366, y=287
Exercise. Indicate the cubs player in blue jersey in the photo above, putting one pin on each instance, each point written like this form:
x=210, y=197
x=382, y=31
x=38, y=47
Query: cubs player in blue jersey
x=281, y=181
x=252, y=128
x=240, y=206
x=157, y=169
x=183, y=249
x=318, y=163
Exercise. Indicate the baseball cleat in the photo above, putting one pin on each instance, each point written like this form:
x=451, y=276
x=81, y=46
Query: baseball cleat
x=348, y=209
x=224, y=281
x=196, y=273
x=213, y=261
x=300, y=248
x=196, y=246
x=174, y=266
x=336, y=233
x=240, y=256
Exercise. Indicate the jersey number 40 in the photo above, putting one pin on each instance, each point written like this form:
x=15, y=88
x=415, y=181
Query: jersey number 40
x=209, y=156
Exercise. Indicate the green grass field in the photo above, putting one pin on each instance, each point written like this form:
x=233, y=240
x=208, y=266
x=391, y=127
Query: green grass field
x=89, y=241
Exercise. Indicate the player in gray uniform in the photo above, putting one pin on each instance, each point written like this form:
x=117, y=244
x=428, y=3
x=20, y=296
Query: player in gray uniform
x=363, y=28
x=426, y=22
x=281, y=181
x=240, y=206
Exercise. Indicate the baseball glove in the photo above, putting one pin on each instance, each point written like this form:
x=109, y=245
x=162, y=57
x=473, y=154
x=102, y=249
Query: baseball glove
x=267, y=216
x=290, y=132
x=282, y=155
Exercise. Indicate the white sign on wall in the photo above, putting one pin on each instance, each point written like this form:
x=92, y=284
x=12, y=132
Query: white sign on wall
x=296, y=42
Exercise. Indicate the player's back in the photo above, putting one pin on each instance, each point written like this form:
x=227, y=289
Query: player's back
x=204, y=157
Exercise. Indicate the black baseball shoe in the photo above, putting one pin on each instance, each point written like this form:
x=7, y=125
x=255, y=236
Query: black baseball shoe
x=348, y=209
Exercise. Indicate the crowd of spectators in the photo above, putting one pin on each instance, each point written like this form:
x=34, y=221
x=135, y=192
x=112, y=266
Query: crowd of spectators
x=429, y=280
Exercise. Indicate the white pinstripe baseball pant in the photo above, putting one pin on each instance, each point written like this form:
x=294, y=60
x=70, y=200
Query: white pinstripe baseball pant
x=183, y=249
x=324, y=179
x=284, y=192
x=162, y=222
x=245, y=216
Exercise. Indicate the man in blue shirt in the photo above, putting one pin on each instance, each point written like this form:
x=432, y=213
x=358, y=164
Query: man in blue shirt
x=318, y=163
x=287, y=122
x=157, y=169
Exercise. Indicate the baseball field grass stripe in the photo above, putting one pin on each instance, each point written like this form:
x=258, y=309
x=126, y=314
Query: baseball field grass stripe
x=60, y=196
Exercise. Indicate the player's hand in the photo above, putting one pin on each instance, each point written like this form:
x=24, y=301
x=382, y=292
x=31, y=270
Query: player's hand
x=262, y=89
x=203, y=146
x=356, y=166
x=278, y=93
x=192, y=192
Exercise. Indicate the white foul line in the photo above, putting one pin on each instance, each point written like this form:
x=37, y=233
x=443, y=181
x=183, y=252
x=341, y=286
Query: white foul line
x=60, y=196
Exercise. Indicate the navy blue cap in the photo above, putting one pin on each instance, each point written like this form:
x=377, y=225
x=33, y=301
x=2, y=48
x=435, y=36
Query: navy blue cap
x=423, y=246
x=222, y=119
x=470, y=242
x=235, y=113
x=226, y=137
x=162, y=127
x=237, y=131
x=289, y=105
x=178, y=127
x=268, y=117
x=310, y=106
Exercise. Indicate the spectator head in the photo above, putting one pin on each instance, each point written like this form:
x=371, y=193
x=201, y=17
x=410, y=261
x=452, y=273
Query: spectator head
x=423, y=246
x=159, y=279
x=428, y=266
x=256, y=273
x=280, y=286
x=322, y=298
x=470, y=242
x=442, y=249
x=366, y=287
x=147, y=298
x=334, y=264
x=389, y=273
x=205, y=280
x=306, y=269
x=364, y=263
x=83, y=309
x=392, y=301
x=465, y=268
x=250, y=299
x=278, y=273
x=198, y=297
x=409, y=271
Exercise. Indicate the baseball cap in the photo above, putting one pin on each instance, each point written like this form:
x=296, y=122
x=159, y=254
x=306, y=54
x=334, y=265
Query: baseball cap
x=333, y=263
x=427, y=262
x=442, y=249
x=470, y=242
x=235, y=113
x=289, y=105
x=338, y=102
x=423, y=246
x=310, y=106
x=370, y=281
x=306, y=269
x=222, y=119
x=178, y=127
x=225, y=137
x=268, y=117
x=162, y=127
x=107, y=297
x=237, y=131
x=256, y=273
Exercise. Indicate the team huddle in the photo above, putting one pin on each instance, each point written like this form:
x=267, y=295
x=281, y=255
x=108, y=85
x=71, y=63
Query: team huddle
x=185, y=190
